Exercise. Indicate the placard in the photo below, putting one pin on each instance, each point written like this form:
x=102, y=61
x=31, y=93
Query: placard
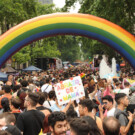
x=70, y=89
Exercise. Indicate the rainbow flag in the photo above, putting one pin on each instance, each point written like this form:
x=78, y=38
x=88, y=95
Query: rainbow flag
x=82, y=75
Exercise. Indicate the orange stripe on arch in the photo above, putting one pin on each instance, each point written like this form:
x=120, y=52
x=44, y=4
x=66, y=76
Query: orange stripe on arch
x=70, y=15
x=109, y=24
x=28, y=22
x=23, y=24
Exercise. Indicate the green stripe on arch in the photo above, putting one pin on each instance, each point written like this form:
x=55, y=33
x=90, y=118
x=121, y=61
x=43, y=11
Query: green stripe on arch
x=64, y=26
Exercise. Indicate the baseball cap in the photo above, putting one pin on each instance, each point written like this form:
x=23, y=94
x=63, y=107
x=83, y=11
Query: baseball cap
x=131, y=90
x=12, y=129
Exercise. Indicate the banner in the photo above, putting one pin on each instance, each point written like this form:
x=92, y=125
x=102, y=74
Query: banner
x=70, y=89
x=130, y=81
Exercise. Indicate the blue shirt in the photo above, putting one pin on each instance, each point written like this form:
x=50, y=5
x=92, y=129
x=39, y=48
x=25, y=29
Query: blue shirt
x=56, y=108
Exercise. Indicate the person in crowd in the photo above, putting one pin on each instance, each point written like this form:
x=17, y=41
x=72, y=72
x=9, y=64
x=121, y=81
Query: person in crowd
x=15, y=89
x=15, y=106
x=5, y=105
x=10, y=81
x=58, y=123
x=126, y=89
x=24, y=84
x=40, y=106
x=94, y=130
x=57, y=107
x=1, y=87
x=51, y=99
x=21, y=95
x=44, y=110
x=47, y=87
x=6, y=119
x=85, y=109
x=108, y=104
x=117, y=89
x=7, y=122
x=7, y=91
x=79, y=126
x=98, y=95
x=3, y=132
x=131, y=106
x=31, y=121
x=109, y=90
x=125, y=119
x=31, y=85
x=70, y=113
x=111, y=126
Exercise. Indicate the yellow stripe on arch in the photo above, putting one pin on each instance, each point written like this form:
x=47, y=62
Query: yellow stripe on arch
x=68, y=19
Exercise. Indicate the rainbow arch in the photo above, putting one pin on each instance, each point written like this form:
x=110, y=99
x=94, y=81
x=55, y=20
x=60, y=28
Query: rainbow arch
x=69, y=24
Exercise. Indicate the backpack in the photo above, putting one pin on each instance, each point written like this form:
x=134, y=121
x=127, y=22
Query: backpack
x=131, y=130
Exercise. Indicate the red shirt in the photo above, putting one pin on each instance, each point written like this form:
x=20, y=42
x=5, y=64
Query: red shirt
x=7, y=95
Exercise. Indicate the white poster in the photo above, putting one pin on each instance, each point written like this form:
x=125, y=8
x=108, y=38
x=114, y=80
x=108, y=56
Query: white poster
x=70, y=89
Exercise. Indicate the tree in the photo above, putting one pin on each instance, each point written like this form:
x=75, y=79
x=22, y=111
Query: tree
x=13, y=12
x=66, y=47
x=120, y=12
x=41, y=48
x=69, y=48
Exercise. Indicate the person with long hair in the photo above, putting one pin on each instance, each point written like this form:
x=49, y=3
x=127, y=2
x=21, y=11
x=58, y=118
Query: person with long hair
x=5, y=104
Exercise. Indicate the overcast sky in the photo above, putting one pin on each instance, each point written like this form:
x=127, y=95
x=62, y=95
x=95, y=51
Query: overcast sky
x=61, y=3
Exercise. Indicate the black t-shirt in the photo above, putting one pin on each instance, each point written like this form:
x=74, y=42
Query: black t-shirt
x=40, y=108
x=30, y=122
x=48, y=133
x=16, y=115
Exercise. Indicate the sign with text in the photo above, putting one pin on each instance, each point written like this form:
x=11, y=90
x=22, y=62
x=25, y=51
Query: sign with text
x=70, y=89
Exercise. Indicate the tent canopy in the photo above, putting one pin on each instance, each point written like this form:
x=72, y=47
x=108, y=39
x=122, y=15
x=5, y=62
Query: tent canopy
x=9, y=69
x=3, y=76
x=32, y=68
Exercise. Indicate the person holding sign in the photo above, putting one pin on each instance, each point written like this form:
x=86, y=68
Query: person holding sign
x=71, y=89
x=57, y=107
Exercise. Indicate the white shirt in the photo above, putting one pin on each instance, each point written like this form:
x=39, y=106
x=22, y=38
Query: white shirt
x=46, y=88
x=111, y=112
x=46, y=104
x=126, y=91
x=116, y=90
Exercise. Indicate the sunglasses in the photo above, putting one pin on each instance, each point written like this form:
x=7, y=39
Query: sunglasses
x=105, y=103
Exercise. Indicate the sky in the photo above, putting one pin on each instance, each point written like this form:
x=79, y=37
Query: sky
x=61, y=3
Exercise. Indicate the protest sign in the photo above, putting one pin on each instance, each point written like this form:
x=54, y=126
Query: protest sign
x=70, y=89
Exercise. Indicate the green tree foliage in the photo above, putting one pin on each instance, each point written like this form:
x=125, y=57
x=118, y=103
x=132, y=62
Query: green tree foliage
x=69, y=48
x=120, y=12
x=13, y=12
x=65, y=47
x=23, y=55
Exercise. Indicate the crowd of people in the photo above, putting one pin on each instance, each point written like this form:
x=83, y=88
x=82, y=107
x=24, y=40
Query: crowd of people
x=29, y=105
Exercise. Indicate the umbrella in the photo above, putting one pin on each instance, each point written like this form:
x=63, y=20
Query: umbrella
x=3, y=76
x=32, y=68
x=9, y=69
x=116, y=77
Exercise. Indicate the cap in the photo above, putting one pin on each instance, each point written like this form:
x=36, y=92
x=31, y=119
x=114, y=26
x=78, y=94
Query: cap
x=131, y=90
x=12, y=129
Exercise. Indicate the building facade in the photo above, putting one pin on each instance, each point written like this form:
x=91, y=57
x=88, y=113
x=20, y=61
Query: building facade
x=46, y=1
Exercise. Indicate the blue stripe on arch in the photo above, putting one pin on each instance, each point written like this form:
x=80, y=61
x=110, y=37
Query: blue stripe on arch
x=67, y=31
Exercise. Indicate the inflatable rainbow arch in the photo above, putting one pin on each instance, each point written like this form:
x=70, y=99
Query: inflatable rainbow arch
x=69, y=24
